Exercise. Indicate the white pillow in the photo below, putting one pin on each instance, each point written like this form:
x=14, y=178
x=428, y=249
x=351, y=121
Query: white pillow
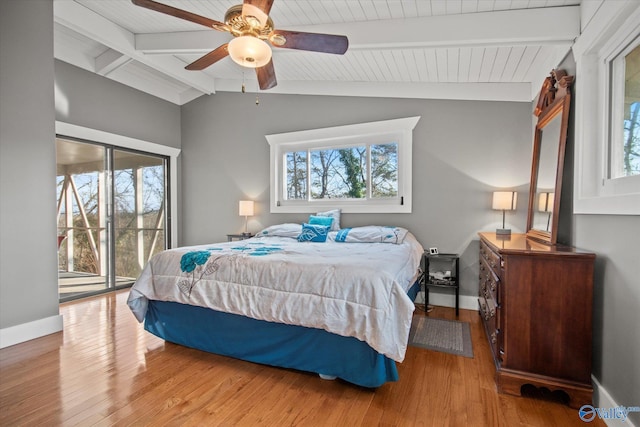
x=335, y=214
x=282, y=230
x=372, y=234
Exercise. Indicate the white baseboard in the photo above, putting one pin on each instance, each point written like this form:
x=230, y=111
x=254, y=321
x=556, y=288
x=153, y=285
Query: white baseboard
x=602, y=399
x=30, y=330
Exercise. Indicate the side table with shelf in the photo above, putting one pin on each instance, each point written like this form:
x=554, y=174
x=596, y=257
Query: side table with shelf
x=242, y=236
x=441, y=271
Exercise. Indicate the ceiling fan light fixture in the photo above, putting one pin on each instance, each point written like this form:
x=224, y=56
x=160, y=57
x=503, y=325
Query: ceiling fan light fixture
x=249, y=51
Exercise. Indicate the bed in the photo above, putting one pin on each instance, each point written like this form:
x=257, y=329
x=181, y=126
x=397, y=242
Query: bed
x=339, y=305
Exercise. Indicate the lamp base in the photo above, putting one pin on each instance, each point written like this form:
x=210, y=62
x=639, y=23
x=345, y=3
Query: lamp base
x=503, y=231
x=246, y=234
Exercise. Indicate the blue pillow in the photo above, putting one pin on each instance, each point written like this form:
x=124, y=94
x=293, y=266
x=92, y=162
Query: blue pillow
x=321, y=220
x=313, y=233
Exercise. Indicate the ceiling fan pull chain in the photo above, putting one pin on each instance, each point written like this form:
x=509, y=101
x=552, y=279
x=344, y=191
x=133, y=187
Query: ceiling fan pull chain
x=257, y=95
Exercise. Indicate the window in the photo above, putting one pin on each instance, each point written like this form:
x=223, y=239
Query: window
x=607, y=179
x=357, y=168
x=624, y=145
x=343, y=173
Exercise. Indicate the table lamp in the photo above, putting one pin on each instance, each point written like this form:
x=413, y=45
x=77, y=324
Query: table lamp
x=246, y=210
x=504, y=201
x=545, y=204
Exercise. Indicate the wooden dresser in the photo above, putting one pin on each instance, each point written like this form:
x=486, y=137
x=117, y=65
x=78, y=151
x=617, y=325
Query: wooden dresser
x=536, y=305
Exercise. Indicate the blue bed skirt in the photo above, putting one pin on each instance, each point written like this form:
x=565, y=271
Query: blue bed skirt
x=275, y=344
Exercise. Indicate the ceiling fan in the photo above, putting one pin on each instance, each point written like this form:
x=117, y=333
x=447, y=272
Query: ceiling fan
x=250, y=25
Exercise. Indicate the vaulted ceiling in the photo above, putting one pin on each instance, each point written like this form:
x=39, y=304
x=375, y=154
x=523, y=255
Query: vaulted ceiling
x=439, y=49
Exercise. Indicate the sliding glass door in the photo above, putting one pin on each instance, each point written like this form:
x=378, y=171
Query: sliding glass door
x=139, y=215
x=82, y=239
x=111, y=215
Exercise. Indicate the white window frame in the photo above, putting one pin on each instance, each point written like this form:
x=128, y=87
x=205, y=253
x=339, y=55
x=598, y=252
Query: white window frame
x=612, y=28
x=361, y=134
x=617, y=94
x=81, y=132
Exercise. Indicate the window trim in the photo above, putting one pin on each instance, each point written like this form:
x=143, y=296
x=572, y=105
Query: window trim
x=611, y=29
x=396, y=130
x=119, y=141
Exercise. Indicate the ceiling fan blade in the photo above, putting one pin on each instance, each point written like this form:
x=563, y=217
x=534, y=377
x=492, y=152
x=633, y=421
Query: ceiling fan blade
x=209, y=59
x=263, y=5
x=327, y=43
x=266, y=76
x=182, y=14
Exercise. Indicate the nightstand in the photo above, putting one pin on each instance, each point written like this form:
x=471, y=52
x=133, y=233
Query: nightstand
x=242, y=236
x=441, y=271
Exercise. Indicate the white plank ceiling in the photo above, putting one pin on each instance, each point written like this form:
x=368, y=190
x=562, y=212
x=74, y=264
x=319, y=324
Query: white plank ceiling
x=438, y=49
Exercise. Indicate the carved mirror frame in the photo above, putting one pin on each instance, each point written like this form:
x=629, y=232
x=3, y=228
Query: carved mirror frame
x=550, y=138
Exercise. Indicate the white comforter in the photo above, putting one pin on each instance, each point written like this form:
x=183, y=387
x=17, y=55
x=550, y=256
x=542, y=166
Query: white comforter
x=350, y=289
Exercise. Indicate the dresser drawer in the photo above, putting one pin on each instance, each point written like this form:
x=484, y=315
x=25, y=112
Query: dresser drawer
x=488, y=308
x=489, y=312
x=489, y=281
x=494, y=261
x=489, y=296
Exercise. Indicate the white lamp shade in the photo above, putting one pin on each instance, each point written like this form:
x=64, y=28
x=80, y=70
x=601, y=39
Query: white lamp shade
x=249, y=51
x=504, y=200
x=545, y=202
x=246, y=208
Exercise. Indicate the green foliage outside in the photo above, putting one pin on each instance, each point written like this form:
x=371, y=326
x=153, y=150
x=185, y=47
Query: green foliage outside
x=342, y=173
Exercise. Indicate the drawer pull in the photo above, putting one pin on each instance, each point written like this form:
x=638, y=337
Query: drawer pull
x=484, y=309
x=489, y=314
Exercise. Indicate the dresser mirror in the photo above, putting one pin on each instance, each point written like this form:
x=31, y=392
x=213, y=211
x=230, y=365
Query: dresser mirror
x=549, y=143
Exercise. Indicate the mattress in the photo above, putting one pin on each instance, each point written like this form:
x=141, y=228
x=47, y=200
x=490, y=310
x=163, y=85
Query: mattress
x=349, y=288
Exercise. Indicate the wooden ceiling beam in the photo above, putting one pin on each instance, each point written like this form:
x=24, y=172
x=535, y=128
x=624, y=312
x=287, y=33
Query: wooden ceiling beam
x=486, y=29
x=89, y=24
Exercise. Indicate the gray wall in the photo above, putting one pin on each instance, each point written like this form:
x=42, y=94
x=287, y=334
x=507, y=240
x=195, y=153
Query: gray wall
x=462, y=151
x=616, y=307
x=89, y=100
x=28, y=262
x=95, y=102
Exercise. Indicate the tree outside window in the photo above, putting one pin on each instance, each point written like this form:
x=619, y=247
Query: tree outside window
x=358, y=168
x=361, y=172
x=631, y=139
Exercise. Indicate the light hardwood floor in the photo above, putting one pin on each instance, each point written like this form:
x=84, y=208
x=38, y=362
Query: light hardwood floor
x=104, y=369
